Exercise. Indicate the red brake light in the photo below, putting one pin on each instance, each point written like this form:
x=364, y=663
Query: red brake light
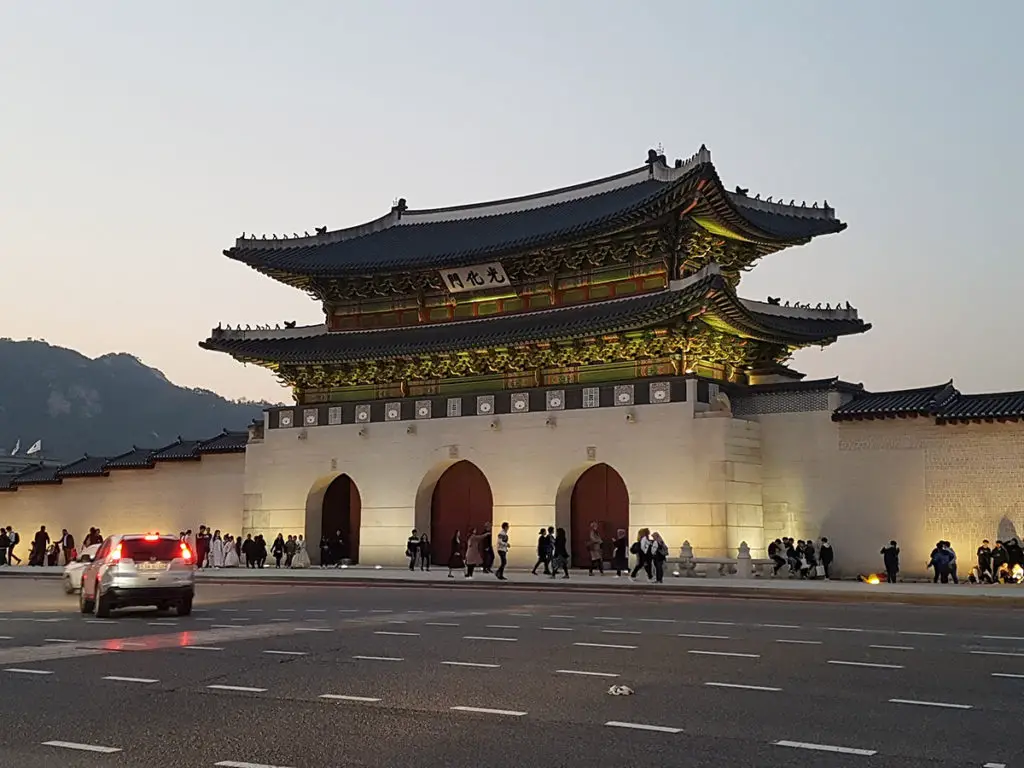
x=185, y=551
x=115, y=554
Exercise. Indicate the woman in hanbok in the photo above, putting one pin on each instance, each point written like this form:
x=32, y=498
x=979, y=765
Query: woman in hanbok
x=301, y=559
x=217, y=550
x=230, y=552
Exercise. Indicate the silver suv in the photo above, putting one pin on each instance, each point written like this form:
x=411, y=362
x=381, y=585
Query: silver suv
x=139, y=569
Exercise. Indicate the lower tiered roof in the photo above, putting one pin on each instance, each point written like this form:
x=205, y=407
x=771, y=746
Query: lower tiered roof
x=707, y=293
x=941, y=402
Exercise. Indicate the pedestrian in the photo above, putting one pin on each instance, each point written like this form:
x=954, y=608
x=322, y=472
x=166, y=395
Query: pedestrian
x=412, y=546
x=487, y=549
x=939, y=560
x=40, y=545
x=249, y=551
x=543, y=552
x=620, y=558
x=5, y=544
x=826, y=555
x=424, y=553
x=67, y=546
x=218, y=547
x=474, y=551
x=952, y=562
x=659, y=554
x=560, y=554
x=642, y=549
x=325, y=551
x=455, y=557
x=502, y=551
x=261, y=551
x=985, y=563
x=595, y=549
x=291, y=546
x=891, y=560
x=276, y=549
x=15, y=538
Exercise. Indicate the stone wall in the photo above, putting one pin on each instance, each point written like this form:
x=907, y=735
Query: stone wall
x=169, y=498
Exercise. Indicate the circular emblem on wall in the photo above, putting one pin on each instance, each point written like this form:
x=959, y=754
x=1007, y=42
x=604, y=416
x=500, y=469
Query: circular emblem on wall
x=392, y=413
x=363, y=415
x=659, y=394
x=623, y=397
x=311, y=419
x=554, y=402
x=286, y=421
x=423, y=411
x=485, y=407
x=520, y=404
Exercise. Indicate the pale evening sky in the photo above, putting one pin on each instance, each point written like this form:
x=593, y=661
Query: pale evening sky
x=139, y=139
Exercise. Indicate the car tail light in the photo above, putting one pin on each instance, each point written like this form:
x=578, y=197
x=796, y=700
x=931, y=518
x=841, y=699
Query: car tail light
x=151, y=538
x=115, y=554
x=186, y=552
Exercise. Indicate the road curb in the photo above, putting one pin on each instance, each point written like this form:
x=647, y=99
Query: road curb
x=870, y=595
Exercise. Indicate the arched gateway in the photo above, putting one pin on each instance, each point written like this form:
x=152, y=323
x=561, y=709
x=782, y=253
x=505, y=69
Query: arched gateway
x=341, y=512
x=461, y=500
x=600, y=496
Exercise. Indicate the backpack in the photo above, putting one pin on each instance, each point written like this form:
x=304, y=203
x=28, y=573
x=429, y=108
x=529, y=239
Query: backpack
x=635, y=549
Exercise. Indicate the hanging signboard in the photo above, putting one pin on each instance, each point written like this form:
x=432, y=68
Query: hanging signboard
x=475, y=278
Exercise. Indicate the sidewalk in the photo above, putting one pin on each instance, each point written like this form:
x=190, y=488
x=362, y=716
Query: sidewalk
x=520, y=580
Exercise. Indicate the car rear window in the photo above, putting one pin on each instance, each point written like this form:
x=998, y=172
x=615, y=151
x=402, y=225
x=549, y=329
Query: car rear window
x=140, y=549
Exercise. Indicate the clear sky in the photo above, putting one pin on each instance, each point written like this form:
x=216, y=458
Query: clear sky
x=138, y=139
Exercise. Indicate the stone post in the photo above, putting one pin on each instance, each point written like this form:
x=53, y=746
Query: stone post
x=744, y=564
x=686, y=565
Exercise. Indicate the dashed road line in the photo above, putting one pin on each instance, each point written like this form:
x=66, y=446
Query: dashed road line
x=203, y=648
x=6, y=637
x=606, y=645
x=81, y=747
x=642, y=727
x=892, y=647
x=396, y=634
x=718, y=623
x=1008, y=674
x=143, y=680
x=344, y=697
x=488, y=711
x=520, y=614
x=619, y=632
x=706, y=637
x=287, y=653
x=237, y=688
x=826, y=748
x=941, y=704
x=996, y=653
x=864, y=664
x=781, y=626
x=502, y=626
x=743, y=687
x=440, y=624
x=842, y=629
x=800, y=642
x=470, y=664
x=236, y=764
x=561, y=616
x=556, y=629
x=313, y=629
x=585, y=673
x=496, y=639
x=659, y=621
x=608, y=618
x=163, y=624
x=922, y=634
x=726, y=653
x=17, y=671
x=378, y=658
x=1002, y=637
x=58, y=640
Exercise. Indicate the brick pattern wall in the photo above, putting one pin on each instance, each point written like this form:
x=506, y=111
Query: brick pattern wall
x=781, y=402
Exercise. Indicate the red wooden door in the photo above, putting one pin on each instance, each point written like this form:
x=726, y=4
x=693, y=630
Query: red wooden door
x=341, y=512
x=599, y=496
x=461, y=501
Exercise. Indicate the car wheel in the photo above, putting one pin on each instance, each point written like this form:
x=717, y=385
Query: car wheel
x=84, y=604
x=68, y=589
x=102, y=604
x=185, y=607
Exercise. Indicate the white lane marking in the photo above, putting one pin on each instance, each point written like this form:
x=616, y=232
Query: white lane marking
x=241, y=618
x=561, y=616
x=800, y=642
x=271, y=619
x=607, y=618
x=782, y=626
x=144, y=680
x=348, y=610
x=470, y=664
x=498, y=639
x=605, y=645
x=826, y=748
x=316, y=610
x=45, y=611
x=718, y=623
x=922, y=634
x=6, y=637
x=941, y=704
x=1001, y=637
x=210, y=618
x=241, y=688
x=556, y=629
x=378, y=658
x=397, y=634
x=132, y=644
x=994, y=765
x=203, y=648
x=865, y=664
x=502, y=626
x=743, y=687
x=381, y=610
x=585, y=673
x=254, y=610
x=287, y=653
x=842, y=629
x=725, y=653
x=1008, y=674
x=81, y=747
x=99, y=621
x=642, y=727
x=996, y=653
x=487, y=711
x=230, y=610
x=415, y=611
x=17, y=671
x=313, y=629
x=46, y=621
x=892, y=647
x=619, y=632
x=235, y=764
x=441, y=624
x=163, y=623
x=520, y=614
x=705, y=637
x=342, y=697
x=659, y=621
x=57, y=640
x=398, y=621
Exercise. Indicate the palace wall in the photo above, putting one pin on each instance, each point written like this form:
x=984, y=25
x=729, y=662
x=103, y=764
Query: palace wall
x=171, y=497
x=689, y=476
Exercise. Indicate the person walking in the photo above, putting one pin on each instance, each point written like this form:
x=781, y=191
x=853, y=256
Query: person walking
x=412, y=547
x=424, y=553
x=455, y=557
x=891, y=560
x=825, y=556
x=642, y=549
x=543, y=552
x=276, y=549
x=595, y=549
x=620, y=556
x=502, y=551
x=560, y=555
x=474, y=551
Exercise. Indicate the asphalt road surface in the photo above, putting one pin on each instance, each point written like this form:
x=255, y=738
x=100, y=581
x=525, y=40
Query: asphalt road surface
x=321, y=677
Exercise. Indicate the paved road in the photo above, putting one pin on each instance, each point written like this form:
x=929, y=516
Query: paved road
x=380, y=677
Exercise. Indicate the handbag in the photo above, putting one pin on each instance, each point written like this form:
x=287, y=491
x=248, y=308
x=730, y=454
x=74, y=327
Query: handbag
x=819, y=570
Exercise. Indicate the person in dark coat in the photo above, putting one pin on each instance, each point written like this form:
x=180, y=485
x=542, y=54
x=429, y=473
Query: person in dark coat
x=891, y=559
x=620, y=556
x=487, y=547
x=985, y=563
x=455, y=558
x=543, y=552
x=826, y=556
x=560, y=554
x=424, y=552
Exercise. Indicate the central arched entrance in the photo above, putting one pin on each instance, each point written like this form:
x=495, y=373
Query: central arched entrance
x=340, y=512
x=599, y=496
x=461, y=500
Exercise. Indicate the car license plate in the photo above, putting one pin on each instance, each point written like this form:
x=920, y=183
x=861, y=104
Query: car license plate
x=151, y=566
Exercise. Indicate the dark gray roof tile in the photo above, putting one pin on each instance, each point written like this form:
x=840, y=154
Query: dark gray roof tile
x=924, y=401
x=226, y=442
x=87, y=466
x=37, y=476
x=181, y=450
x=136, y=458
x=994, y=406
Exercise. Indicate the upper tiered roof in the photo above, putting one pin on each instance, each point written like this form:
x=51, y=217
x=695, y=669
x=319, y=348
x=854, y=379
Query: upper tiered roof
x=408, y=239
